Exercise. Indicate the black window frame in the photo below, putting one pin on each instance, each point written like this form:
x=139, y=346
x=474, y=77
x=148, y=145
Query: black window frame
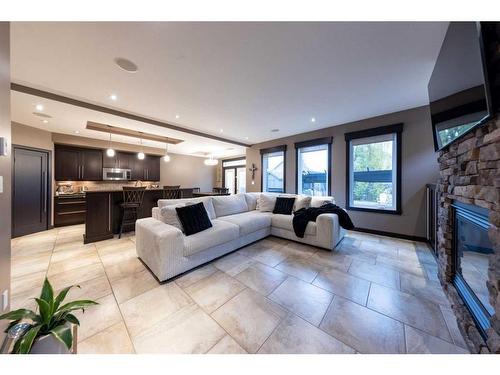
x=263, y=151
x=235, y=174
x=382, y=130
x=314, y=142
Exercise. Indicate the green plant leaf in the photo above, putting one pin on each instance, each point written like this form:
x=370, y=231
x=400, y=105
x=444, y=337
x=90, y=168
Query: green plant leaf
x=44, y=308
x=27, y=340
x=76, y=305
x=72, y=319
x=63, y=334
x=19, y=314
x=47, y=292
x=62, y=295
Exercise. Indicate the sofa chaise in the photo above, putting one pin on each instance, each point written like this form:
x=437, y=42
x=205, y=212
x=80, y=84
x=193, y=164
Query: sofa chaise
x=237, y=220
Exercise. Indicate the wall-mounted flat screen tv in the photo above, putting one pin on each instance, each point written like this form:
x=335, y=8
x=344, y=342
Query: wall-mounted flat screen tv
x=458, y=89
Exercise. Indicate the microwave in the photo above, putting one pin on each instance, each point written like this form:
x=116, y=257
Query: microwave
x=116, y=174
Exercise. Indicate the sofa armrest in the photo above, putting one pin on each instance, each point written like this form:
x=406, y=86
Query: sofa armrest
x=159, y=245
x=155, y=213
x=328, y=230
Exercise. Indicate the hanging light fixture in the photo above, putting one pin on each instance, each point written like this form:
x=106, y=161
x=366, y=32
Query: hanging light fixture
x=110, y=152
x=166, y=157
x=141, y=155
x=211, y=161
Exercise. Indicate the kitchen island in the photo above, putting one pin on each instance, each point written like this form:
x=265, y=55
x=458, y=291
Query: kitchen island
x=103, y=213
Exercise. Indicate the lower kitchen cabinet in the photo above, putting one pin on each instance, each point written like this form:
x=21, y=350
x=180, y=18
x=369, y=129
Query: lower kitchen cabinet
x=69, y=210
x=98, y=216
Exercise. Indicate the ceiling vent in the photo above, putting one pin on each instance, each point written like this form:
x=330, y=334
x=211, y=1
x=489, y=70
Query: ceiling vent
x=126, y=64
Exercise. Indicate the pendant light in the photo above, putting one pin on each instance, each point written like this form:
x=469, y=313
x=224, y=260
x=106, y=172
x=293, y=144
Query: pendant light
x=211, y=161
x=110, y=152
x=141, y=155
x=166, y=157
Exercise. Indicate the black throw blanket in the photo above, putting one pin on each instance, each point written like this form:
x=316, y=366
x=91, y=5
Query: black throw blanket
x=305, y=215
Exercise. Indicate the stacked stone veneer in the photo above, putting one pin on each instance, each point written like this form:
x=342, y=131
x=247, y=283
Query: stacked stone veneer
x=469, y=173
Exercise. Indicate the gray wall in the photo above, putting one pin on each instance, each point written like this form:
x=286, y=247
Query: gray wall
x=419, y=166
x=188, y=171
x=5, y=164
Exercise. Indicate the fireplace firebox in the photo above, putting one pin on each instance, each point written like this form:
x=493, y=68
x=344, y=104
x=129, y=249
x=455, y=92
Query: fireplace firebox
x=472, y=250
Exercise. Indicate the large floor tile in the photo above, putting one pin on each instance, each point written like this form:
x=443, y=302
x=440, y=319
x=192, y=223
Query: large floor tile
x=191, y=277
x=375, y=273
x=112, y=340
x=363, y=329
x=99, y=317
x=265, y=251
x=233, y=263
x=189, y=330
x=249, y=318
x=402, y=265
x=343, y=284
x=90, y=289
x=332, y=259
x=77, y=276
x=149, y=308
x=418, y=342
x=414, y=311
x=212, y=292
x=417, y=255
x=124, y=268
x=301, y=268
x=296, y=336
x=261, y=278
x=303, y=299
x=451, y=323
x=227, y=345
x=424, y=288
x=131, y=286
x=27, y=265
x=67, y=265
x=28, y=282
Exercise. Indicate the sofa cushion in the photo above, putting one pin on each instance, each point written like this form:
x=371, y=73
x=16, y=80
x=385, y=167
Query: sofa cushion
x=284, y=205
x=168, y=215
x=229, y=204
x=302, y=201
x=251, y=199
x=250, y=221
x=285, y=222
x=266, y=202
x=207, y=202
x=220, y=233
x=320, y=201
x=193, y=218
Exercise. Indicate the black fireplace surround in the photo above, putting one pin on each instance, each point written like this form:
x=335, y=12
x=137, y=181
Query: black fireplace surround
x=471, y=251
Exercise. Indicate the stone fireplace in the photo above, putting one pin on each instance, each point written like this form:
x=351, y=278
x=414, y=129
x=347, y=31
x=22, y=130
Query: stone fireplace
x=468, y=233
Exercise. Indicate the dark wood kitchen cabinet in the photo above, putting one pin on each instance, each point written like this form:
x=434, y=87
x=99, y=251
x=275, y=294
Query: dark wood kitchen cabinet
x=69, y=210
x=98, y=216
x=77, y=164
x=152, y=168
x=120, y=160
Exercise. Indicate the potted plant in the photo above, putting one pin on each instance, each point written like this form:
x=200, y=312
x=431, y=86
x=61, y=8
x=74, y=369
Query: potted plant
x=49, y=330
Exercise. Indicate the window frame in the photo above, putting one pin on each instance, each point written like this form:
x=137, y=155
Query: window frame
x=314, y=142
x=235, y=167
x=270, y=150
x=396, y=129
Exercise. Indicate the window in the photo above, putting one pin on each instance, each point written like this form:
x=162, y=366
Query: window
x=374, y=169
x=273, y=169
x=314, y=167
x=234, y=175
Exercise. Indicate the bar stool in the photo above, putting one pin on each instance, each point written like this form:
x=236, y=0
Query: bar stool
x=132, y=201
x=171, y=192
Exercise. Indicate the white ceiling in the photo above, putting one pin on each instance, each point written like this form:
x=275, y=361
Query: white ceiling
x=244, y=78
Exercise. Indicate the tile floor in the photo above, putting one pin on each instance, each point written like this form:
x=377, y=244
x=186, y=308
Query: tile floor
x=372, y=294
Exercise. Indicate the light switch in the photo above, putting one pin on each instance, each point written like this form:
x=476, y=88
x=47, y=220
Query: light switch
x=1, y=184
x=5, y=299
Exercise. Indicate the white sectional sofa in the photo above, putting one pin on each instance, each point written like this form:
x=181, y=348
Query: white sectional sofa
x=236, y=221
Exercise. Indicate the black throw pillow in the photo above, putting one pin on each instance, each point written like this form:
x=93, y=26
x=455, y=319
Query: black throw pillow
x=284, y=205
x=193, y=218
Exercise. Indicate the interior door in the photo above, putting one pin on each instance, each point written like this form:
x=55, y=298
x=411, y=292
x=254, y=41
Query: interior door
x=30, y=191
x=230, y=179
x=241, y=180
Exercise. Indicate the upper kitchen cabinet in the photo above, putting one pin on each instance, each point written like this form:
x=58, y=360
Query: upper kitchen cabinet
x=147, y=169
x=121, y=160
x=77, y=164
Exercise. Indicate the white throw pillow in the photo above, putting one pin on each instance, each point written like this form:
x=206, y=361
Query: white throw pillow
x=320, y=201
x=302, y=201
x=266, y=202
x=168, y=215
x=252, y=200
x=229, y=204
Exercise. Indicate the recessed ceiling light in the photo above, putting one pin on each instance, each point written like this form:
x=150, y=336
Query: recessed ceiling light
x=39, y=107
x=274, y=130
x=45, y=121
x=77, y=131
x=126, y=64
x=222, y=130
x=246, y=138
x=313, y=119
x=177, y=116
x=113, y=97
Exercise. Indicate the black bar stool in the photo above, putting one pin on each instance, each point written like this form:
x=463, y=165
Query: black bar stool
x=132, y=201
x=171, y=192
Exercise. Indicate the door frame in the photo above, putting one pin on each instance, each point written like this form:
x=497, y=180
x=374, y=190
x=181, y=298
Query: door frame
x=235, y=172
x=49, y=183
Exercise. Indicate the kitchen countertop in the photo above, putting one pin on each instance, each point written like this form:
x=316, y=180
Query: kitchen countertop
x=117, y=190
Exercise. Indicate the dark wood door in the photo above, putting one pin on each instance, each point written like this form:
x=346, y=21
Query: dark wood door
x=30, y=191
x=153, y=168
x=98, y=216
x=67, y=163
x=137, y=168
x=91, y=165
x=109, y=162
x=124, y=160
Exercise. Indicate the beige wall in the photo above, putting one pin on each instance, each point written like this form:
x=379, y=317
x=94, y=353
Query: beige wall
x=5, y=166
x=419, y=166
x=188, y=171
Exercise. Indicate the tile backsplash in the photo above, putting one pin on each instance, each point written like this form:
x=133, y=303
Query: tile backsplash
x=77, y=186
